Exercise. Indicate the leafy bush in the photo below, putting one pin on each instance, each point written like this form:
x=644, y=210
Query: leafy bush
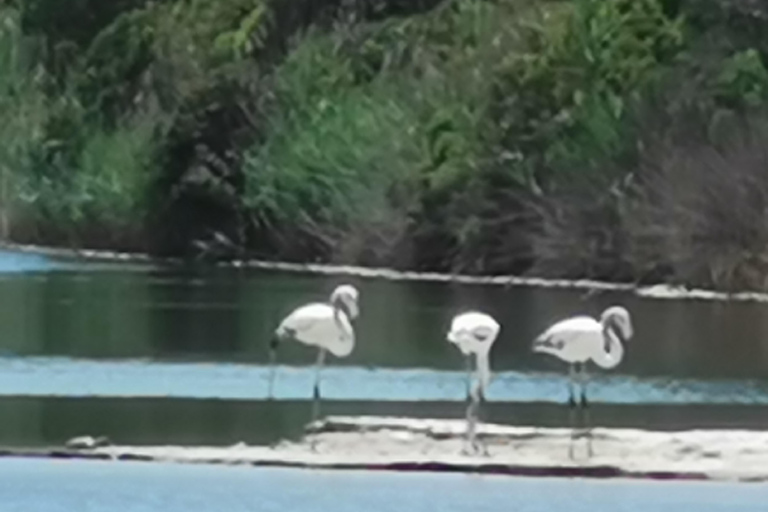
x=579, y=139
x=23, y=111
x=699, y=208
x=373, y=129
x=562, y=103
x=347, y=161
x=742, y=81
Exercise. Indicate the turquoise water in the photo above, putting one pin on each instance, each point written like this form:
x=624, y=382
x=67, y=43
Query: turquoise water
x=13, y=262
x=67, y=486
x=57, y=376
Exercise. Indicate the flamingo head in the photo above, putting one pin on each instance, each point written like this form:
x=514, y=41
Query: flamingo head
x=618, y=318
x=346, y=297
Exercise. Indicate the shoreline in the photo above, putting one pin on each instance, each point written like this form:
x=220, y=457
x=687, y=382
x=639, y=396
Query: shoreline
x=654, y=291
x=407, y=444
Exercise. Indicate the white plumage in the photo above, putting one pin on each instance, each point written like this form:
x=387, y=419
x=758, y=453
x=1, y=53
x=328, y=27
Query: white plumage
x=327, y=326
x=474, y=333
x=320, y=325
x=581, y=339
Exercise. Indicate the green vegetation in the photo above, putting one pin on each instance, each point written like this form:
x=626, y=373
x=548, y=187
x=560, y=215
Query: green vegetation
x=613, y=139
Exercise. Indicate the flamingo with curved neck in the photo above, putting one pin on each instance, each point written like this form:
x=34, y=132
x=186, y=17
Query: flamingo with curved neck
x=581, y=339
x=327, y=326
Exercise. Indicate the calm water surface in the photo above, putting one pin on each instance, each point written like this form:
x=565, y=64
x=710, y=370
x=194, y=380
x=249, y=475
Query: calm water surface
x=59, y=486
x=178, y=355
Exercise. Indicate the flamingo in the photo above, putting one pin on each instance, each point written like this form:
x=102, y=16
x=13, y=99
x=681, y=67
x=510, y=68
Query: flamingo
x=580, y=339
x=474, y=333
x=327, y=326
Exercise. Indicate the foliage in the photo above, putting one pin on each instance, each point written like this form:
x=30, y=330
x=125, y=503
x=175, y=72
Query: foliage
x=23, y=110
x=562, y=103
x=58, y=169
x=341, y=157
x=570, y=138
x=742, y=81
x=378, y=121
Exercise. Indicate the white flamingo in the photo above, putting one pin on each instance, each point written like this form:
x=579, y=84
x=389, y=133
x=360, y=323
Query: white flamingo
x=474, y=333
x=580, y=339
x=327, y=326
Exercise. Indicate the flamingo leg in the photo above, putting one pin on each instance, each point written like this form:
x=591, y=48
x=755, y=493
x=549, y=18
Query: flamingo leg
x=480, y=445
x=468, y=360
x=272, y=362
x=316, y=393
x=587, y=421
x=472, y=445
x=273, y=344
x=572, y=406
x=471, y=423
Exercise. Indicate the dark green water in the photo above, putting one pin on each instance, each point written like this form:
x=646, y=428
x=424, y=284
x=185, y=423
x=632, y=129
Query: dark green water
x=33, y=421
x=228, y=316
x=169, y=355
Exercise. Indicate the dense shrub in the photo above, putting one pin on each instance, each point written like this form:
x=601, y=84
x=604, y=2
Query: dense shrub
x=585, y=138
x=699, y=215
x=561, y=105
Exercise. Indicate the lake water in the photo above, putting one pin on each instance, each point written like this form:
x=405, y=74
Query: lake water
x=65, y=486
x=178, y=355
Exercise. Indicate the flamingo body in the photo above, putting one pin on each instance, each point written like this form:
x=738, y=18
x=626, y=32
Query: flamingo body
x=327, y=326
x=320, y=325
x=574, y=340
x=581, y=339
x=474, y=333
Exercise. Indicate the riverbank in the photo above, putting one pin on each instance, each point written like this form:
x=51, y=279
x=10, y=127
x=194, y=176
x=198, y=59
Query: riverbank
x=404, y=444
x=589, y=286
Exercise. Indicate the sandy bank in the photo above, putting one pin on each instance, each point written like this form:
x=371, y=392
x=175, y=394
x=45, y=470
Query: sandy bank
x=404, y=444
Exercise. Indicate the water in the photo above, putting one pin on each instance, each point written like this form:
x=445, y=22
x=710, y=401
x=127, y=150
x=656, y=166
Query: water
x=54, y=486
x=127, y=378
x=149, y=355
x=77, y=339
x=228, y=316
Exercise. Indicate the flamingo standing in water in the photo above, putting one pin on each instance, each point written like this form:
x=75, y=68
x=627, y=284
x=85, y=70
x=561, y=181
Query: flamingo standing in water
x=327, y=326
x=580, y=339
x=474, y=333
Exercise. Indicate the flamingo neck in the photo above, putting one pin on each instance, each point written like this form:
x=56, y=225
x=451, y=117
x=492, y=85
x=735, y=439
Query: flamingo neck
x=613, y=356
x=340, y=309
x=342, y=320
x=338, y=313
